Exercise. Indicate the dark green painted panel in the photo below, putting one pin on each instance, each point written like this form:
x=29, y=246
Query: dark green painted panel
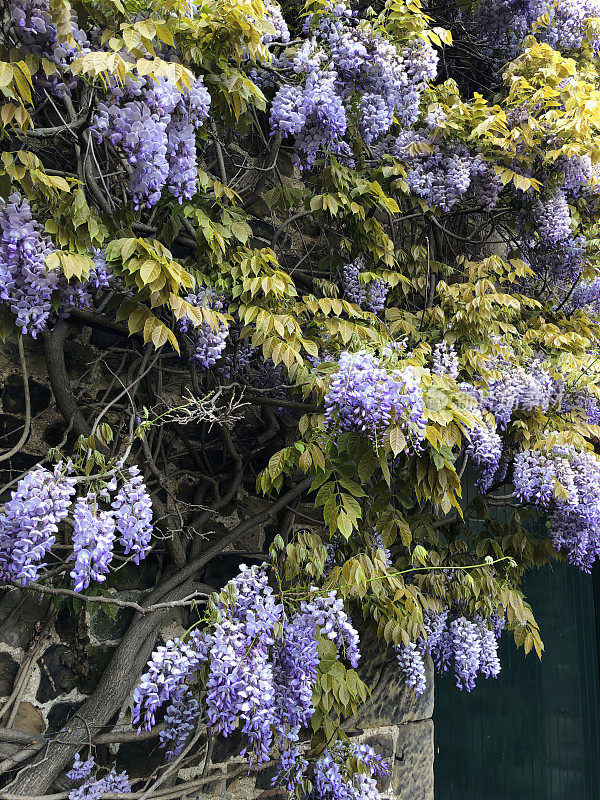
x=532, y=734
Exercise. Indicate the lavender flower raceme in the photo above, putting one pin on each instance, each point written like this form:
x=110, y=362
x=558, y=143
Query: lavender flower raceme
x=29, y=523
x=445, y=360
x=327, y=613
x=275, y=17
x=262, y=666
x=363, y=396
x=504, y=25
x=93, y=787
x=93, y=538
x=295, y=667
x=333, y=780
x=180, y=721
x=466, y=644
x=485, y=452
x=470, y=645
x=344, y=71
x=444, y=173
x=132, y=509
x=354, y=290
x=26, y=285
x=80, y=769
x=520, y=389
x=171, y=666
x=154, y=123
x=36, y=31
x=377, y=292
x=552, y=219
x=565, y=481
x=584, y=403
x=372, y=297
x=412, y=665
x=209, y=343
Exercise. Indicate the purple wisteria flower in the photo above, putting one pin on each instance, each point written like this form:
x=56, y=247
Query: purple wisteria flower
x=566, y=481
x=412, y=666
x=466, y=645
x=261, y=667
x=520, y=388
x=363, y=396
x=442, y=173
x=450, y=639
x=93, y=539
x=80, y=769
x=445, y=360
x=171, y=666
x=343, y=72
x=485, y=452
x=26, y=284
x=180, y=720
x=29, y=523
x=93, y=788
x=209, y=343
x=154, y=123
x=370, y=296
x=132, y=512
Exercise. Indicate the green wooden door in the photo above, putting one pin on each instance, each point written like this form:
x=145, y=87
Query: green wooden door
x=532, y=734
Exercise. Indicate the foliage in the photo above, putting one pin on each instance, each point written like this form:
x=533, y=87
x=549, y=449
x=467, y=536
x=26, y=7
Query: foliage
x=396, y=269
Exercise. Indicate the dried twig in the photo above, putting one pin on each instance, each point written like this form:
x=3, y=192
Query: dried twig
x=59, y=591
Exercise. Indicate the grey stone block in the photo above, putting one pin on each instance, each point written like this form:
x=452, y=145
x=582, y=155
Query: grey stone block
x=384, y=741
x=392, y=702
x=29, y=718
x=412, y=777
x=104, y=628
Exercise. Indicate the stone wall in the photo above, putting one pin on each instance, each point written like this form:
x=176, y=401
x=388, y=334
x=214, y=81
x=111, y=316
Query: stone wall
x=398, y=724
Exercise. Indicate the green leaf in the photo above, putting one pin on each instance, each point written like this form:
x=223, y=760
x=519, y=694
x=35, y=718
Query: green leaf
x=344, y=525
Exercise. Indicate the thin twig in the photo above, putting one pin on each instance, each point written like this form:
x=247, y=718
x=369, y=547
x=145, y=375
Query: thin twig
x=113, y=601
x=178, y=791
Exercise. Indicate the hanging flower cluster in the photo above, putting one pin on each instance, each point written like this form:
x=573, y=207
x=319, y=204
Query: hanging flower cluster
x=261, y=667
x=43, y=499
x=449, y=639
x=94, y=787
x=364, y=397
x=345, y=72
x=566, y=482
